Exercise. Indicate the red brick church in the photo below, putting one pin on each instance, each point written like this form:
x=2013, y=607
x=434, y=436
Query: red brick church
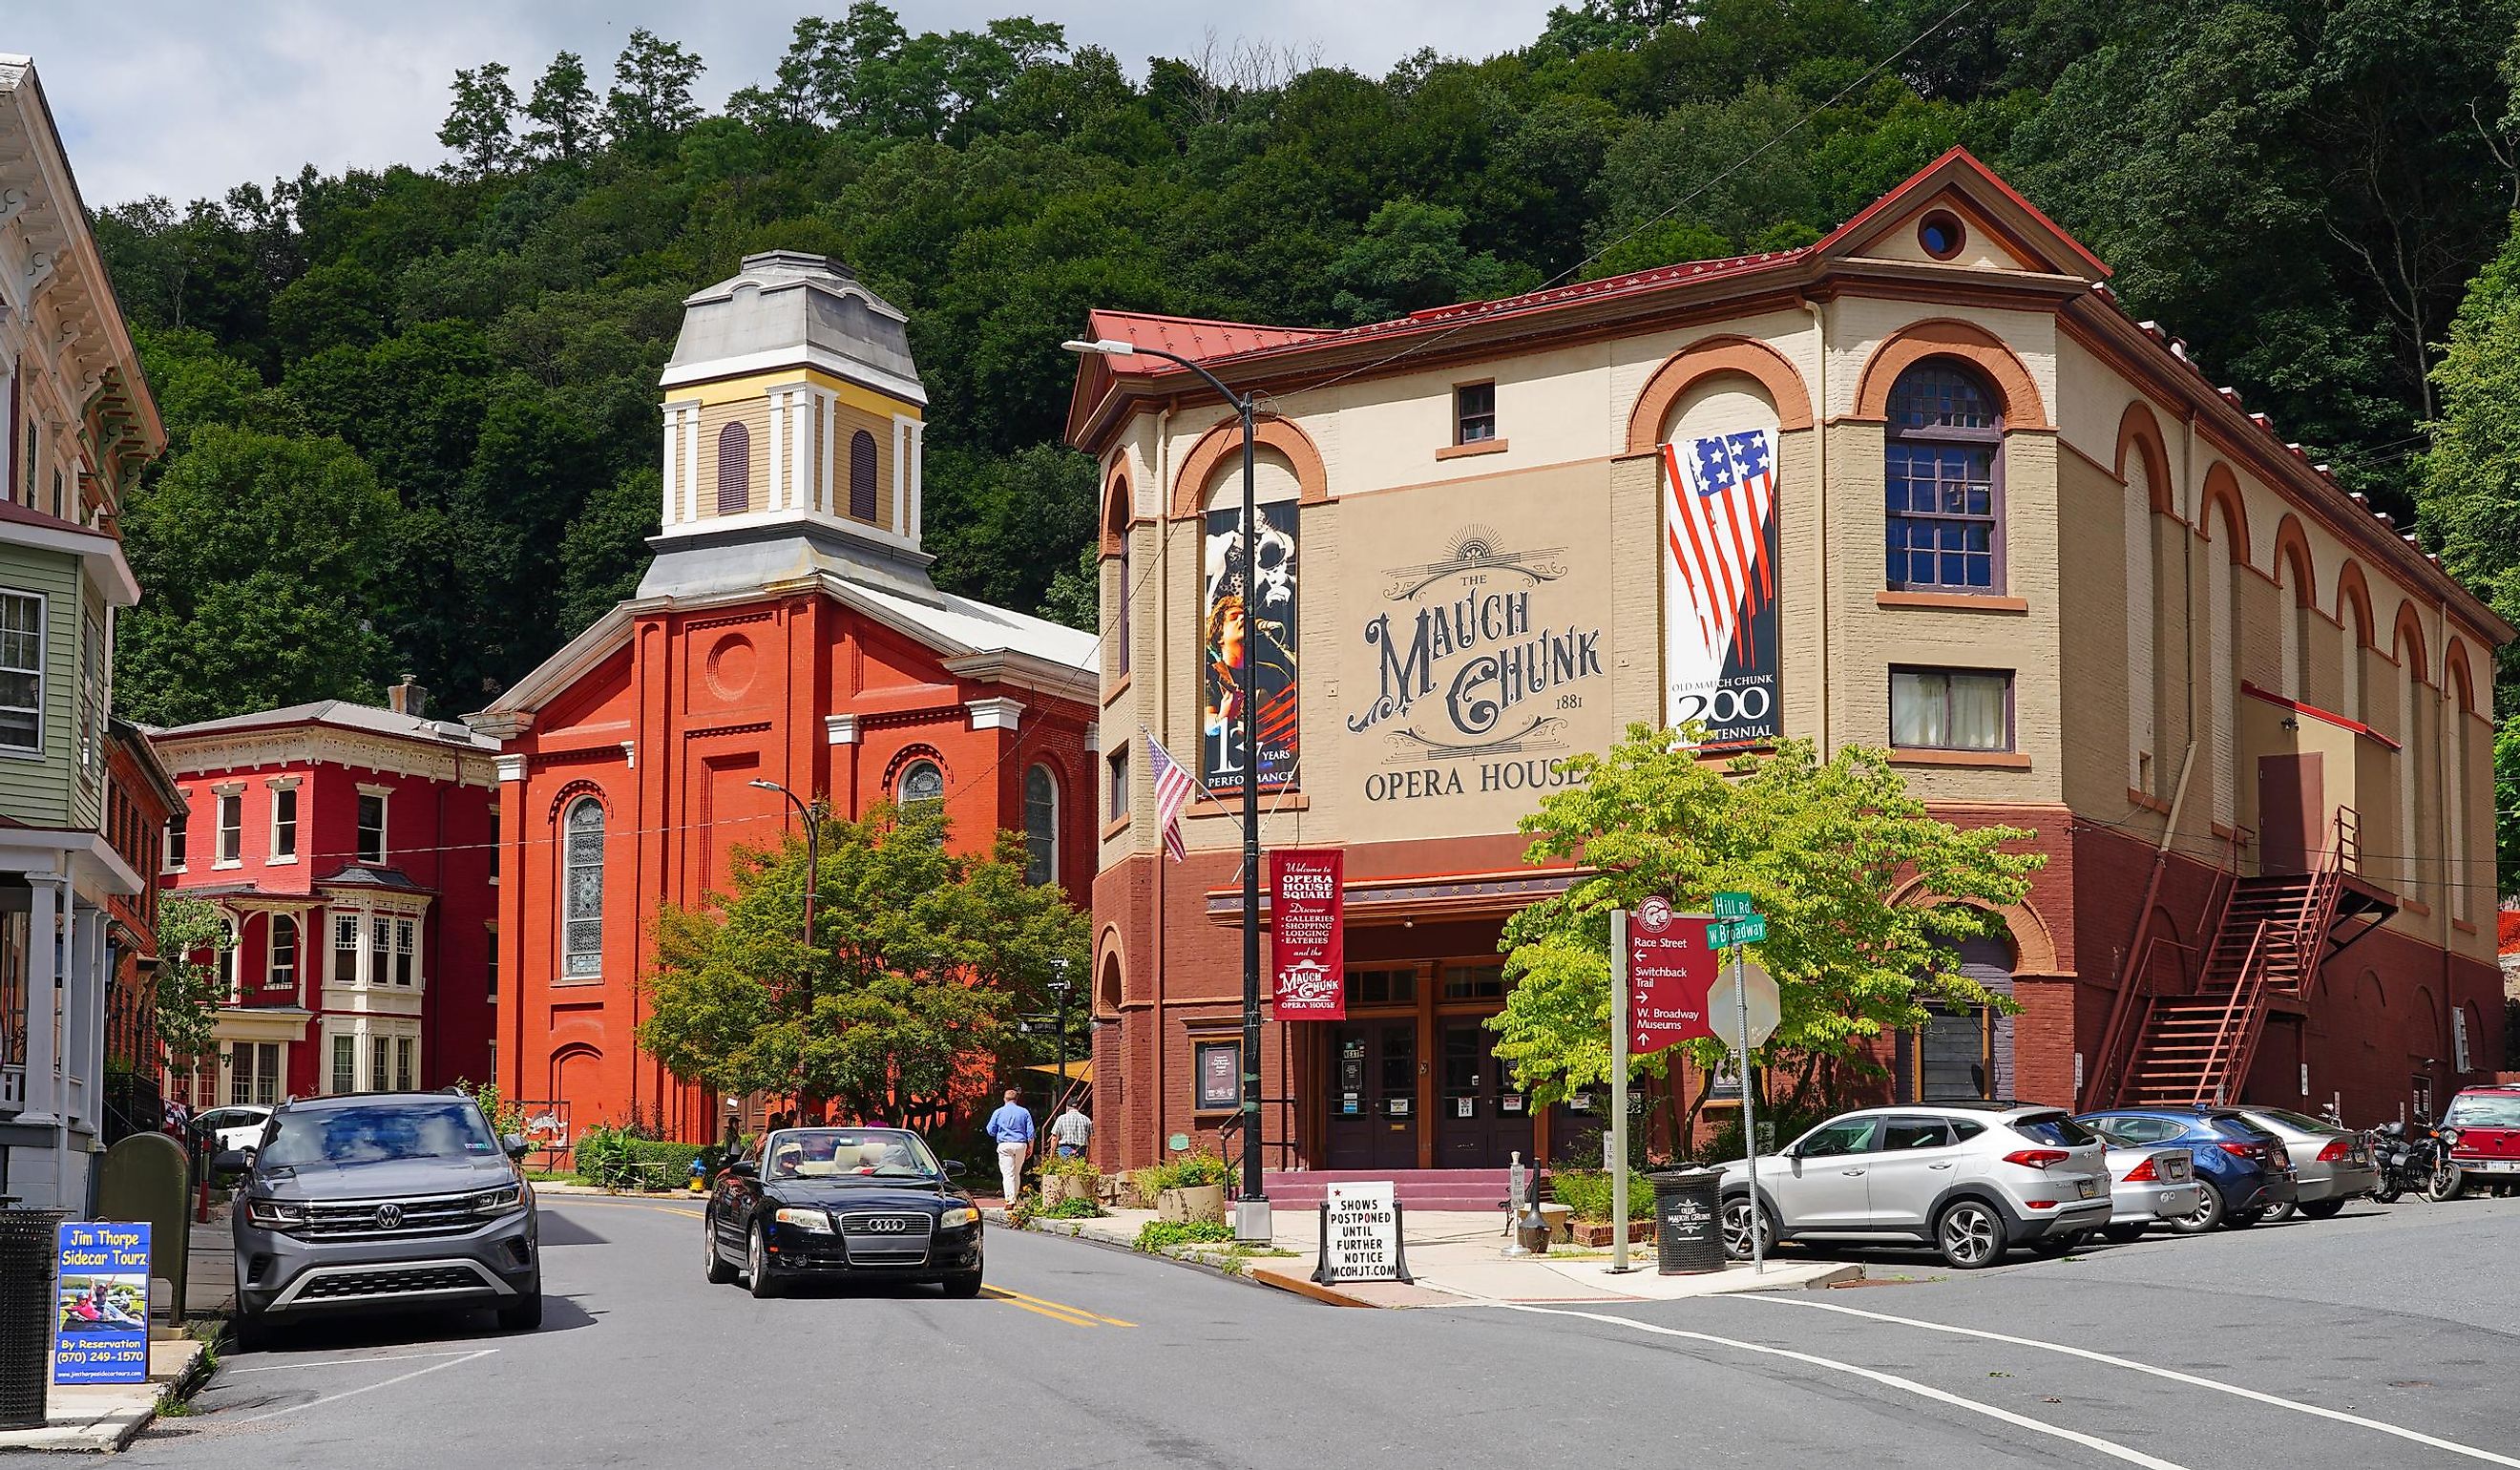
x=786, y=632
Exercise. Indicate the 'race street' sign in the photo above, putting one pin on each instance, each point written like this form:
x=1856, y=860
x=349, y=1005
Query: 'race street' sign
x=1361, y=1235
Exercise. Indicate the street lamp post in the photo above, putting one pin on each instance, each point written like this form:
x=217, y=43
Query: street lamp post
x=1252, y=1211
x=1059, y=1024
x=813, y=849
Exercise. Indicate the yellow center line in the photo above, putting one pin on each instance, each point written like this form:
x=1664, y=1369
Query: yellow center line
x=1020, y=1298
x=1056, y=1317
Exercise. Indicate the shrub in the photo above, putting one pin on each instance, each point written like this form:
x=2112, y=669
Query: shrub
x=1071, y=1209
x=1156, y=1236
x=1190, y=1171
x=610, y=1157
x=1587, y=1192
x=1058, y=1168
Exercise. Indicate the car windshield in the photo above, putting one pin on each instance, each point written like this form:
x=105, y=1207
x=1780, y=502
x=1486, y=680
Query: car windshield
x=2290, y=1119
x=2055, y=1129
x=2484, y=1110
x=884, y=1153
x=378, y=1133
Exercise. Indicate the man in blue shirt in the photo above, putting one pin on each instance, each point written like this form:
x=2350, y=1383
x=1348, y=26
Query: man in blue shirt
x=1011, y=1127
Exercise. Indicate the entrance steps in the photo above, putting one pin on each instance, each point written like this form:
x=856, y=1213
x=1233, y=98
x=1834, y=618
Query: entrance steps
x=1415, y=1188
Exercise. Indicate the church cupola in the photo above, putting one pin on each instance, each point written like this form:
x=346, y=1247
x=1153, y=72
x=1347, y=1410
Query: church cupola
x=791, y=402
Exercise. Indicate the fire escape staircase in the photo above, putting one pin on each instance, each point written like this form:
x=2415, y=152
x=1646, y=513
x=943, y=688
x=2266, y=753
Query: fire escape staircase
x=2270, y=934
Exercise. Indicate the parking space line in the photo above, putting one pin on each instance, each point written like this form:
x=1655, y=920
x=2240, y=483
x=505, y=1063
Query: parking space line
x=1018, y=1296
x=2110, y=1447
x=367, y=1388
x=2173, y=1374
x=350, y=1362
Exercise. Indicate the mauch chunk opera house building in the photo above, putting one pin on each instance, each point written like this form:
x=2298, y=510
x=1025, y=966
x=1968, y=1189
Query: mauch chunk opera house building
x=1921, y=485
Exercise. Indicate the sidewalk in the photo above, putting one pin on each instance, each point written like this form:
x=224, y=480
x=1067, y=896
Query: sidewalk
x=1457, y=1258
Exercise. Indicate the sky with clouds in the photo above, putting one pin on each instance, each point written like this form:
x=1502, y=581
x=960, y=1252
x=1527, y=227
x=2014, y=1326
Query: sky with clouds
x=184, y=98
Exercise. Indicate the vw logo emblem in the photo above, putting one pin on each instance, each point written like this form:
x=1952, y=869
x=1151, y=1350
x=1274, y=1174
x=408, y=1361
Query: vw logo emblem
x=388, y=1217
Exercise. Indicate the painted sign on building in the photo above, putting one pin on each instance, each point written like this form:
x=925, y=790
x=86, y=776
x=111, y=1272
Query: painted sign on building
x=1259, y=619
x=1308, y=933
x=1720, y=585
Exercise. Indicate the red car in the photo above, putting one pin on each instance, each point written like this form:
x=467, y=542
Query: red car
x=2487, y=1121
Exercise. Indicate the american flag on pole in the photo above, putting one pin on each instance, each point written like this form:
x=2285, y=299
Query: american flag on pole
x=1173, y=787
x=1723, y=489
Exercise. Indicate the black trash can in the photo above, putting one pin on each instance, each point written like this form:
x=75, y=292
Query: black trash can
x=1688, y=1230
x=27, y=1307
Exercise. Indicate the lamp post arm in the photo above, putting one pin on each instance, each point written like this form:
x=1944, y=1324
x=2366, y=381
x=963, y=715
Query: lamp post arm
x=1236, y=399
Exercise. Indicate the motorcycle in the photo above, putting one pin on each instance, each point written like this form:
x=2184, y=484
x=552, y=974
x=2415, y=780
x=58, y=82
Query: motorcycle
x=2416, y=1160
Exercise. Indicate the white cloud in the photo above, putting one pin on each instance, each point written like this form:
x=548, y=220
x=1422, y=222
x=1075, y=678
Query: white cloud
x=185, y=98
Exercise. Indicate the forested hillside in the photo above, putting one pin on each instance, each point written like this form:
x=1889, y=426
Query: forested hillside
x=414, y=410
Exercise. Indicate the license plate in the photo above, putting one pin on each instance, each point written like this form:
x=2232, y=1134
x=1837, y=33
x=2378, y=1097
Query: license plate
x=2491, y=1166
x=2088, y=1187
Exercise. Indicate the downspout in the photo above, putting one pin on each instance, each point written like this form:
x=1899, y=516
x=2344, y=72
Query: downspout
x=1163, y=702
x=1820, y=502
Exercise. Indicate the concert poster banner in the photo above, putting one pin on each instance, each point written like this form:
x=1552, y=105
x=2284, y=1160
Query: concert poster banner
x=1308, y=933
x=1720, y=586
x=1264, y=615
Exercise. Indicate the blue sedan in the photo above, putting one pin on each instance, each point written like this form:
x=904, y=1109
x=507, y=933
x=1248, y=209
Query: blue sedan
x=2245, y=1169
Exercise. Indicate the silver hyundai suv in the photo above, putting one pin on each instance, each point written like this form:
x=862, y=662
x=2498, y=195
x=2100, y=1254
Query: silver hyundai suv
x=378, y=1202
x=1970, y=1179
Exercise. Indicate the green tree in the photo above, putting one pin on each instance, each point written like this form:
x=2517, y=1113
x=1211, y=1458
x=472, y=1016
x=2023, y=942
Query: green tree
x=478, y=124
x=567, y=119
x=1867, y=895
x=604, y=551
x=265, y=558
x=902, y=1006
x=650, y=97
x=1411, y=256
x=187, y=994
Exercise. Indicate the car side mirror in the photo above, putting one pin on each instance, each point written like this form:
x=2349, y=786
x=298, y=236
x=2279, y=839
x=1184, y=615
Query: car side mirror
x=232, y=1163
x=954, y=1169
x=516, y=1145
x=744, y=1169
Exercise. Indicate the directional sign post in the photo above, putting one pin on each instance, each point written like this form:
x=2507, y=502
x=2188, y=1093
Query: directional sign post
x=1740, y=924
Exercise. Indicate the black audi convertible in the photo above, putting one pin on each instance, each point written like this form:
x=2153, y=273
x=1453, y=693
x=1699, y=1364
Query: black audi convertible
x=863, y=1204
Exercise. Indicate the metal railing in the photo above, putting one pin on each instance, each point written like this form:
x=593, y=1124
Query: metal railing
x=1232, y=1128
x=2132, y=1010
x=2235, y=1037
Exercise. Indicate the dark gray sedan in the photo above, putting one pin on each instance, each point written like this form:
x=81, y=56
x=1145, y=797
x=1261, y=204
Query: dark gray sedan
x=2331, y=1163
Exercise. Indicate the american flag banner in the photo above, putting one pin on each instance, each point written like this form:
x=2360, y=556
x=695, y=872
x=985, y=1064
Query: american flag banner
x=1720, y=584
x=1173, y=787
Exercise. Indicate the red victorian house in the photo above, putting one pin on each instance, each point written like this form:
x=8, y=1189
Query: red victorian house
x=786, y=636
x=354, y=850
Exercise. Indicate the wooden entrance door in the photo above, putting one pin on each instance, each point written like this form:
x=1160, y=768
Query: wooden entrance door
x=1369, y=1097
x=1480, y=1121
x=2292, y=812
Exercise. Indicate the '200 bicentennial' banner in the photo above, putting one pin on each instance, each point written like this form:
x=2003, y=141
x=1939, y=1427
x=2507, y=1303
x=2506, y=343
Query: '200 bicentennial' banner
x=1308, y=932
x=1720, y=585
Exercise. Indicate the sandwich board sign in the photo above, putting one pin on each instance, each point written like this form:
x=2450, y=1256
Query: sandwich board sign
x=1361, y=1235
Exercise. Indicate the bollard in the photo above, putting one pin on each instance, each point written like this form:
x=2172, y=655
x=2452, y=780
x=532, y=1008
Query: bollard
x=1689, y=1235
x=27, y=1307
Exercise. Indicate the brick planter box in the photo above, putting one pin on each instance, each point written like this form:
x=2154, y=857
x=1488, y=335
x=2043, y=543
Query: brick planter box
x=1596, y=1233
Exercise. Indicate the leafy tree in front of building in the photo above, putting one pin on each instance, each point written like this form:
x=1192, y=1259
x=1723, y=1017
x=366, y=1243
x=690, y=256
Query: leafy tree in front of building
x=904, y=1006
x=1867, y=896
x=188, y=993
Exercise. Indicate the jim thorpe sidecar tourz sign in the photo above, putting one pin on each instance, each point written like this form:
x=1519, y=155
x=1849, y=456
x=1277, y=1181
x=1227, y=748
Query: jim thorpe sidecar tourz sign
x=101, y=1293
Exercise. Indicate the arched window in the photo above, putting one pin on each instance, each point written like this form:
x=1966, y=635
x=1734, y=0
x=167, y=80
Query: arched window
x=1943, y=459
x=582, y=888
x=920, y=791
x=862, y=476
x=1041, y=825
x=734, y=469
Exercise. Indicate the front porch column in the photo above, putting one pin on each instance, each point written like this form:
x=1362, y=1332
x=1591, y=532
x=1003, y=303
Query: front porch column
x=83, y=998
x=46, y=891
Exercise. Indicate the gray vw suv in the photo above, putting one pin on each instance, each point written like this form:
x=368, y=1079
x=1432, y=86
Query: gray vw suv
x=381, y=1201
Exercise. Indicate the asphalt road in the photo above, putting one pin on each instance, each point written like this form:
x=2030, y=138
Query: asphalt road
x=2377, y=1339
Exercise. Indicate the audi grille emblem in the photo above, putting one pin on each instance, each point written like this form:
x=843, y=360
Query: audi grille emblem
x=388, y=1217
x=891, y=1225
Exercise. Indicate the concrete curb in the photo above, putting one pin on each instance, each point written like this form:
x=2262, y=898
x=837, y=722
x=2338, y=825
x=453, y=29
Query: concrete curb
x=1248, y=1275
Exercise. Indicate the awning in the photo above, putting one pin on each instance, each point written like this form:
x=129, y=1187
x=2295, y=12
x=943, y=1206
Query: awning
x=1079, y=1070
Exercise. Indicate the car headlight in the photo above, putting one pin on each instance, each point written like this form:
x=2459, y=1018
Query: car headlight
x=812, y=1221
x=499, y=1201
x=957, y=1218
x=2450, y=1137
x=274, y=1214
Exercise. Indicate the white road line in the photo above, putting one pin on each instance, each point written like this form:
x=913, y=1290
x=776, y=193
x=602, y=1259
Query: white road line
x=2173, y=1374
x=352, y=1363
x=2108, y=1448
x=366, y=1389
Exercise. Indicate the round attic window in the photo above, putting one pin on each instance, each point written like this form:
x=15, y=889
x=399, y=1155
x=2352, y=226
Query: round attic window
x=1941, y=235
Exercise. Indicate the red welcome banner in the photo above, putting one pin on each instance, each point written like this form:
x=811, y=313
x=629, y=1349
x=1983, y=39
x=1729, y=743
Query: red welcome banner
x=1670, y=970
x=1308, y=923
